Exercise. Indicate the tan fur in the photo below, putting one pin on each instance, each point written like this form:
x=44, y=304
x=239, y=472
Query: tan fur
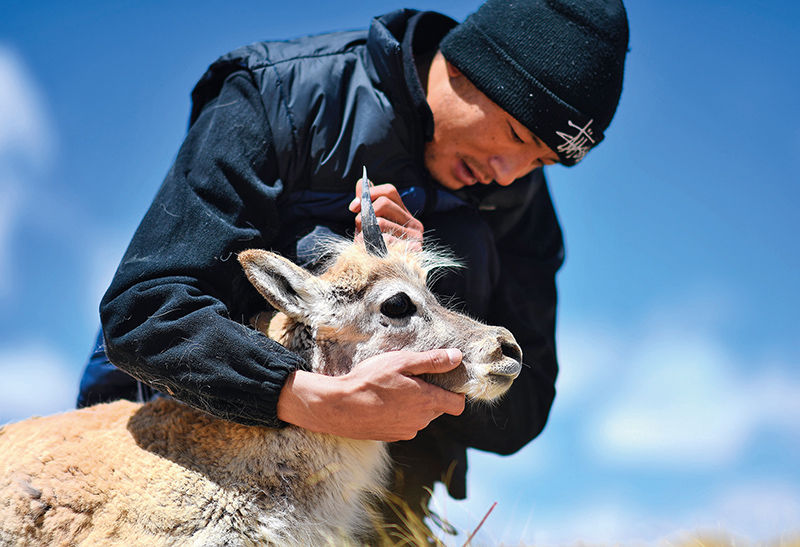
x=163, y=473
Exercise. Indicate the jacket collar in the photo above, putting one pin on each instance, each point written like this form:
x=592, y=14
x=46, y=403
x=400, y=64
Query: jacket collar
x=393, y=42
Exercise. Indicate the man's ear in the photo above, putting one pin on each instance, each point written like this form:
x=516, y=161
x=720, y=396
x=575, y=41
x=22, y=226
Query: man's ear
x=286, y=286
x=452, y=70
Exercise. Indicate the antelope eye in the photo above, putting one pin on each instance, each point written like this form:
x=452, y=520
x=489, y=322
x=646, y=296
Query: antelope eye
x=397, y=306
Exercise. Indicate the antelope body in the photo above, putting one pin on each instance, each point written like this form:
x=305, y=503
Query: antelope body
x=165, y=473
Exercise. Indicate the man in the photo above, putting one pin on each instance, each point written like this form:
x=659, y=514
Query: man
x=456, y=122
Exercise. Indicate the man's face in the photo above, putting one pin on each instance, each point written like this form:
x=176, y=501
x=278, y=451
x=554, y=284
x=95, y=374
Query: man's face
x=474, y=140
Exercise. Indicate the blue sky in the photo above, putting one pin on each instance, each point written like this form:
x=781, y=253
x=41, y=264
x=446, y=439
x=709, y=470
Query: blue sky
x=679, y=337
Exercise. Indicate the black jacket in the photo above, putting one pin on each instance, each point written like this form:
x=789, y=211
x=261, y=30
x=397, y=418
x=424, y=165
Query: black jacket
x=278, y=135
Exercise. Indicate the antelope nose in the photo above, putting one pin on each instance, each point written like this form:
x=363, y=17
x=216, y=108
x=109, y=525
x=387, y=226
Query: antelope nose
x=507, y=368
x=511, y=350
x=512, y=364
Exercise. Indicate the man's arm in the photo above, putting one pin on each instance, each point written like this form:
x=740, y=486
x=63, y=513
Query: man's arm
x=172, y=313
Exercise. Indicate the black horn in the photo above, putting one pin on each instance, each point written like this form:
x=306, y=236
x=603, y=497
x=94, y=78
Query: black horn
x=373, y=240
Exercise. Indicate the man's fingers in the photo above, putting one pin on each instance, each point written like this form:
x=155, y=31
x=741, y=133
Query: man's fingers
x=394, y=219
x=388, y=209
x=443, y=401
x=432, y=362
x=387, y=191
x=393, y=228
x=455, y=403
x=440, y=400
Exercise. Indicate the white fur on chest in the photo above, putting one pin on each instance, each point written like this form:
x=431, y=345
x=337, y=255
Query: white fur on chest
x=316, y=489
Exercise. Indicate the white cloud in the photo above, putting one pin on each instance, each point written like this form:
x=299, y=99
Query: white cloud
x=750, y=511
x=36, y=380
x=680, y=404
x=588, y=354
x=9, y=203
x=600, y=523
x=669, y=393
x=684, y=402
x=24, y=128
x=102, y=258
x=755, y=509
x=26, y=143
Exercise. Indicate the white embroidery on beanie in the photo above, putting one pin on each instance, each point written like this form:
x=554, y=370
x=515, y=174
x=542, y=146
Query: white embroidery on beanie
x=576, y=146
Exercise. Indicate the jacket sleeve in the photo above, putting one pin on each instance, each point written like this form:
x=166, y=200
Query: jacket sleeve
x=530, y=253
x=174, y=314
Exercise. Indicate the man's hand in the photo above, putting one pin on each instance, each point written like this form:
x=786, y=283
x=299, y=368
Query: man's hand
x=394, y=218
x=380, y=399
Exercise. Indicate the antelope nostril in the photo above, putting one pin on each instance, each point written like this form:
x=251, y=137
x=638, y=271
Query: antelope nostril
x=511, y=350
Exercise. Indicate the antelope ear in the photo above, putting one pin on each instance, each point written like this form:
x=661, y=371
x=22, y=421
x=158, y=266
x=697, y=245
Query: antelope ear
x=286, y=286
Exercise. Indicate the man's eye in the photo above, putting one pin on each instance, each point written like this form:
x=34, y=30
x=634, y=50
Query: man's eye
x=514, y=134
x=397, y=306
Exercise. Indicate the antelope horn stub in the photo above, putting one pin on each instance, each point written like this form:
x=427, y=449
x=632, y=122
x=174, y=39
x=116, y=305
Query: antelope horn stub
x=373, y=240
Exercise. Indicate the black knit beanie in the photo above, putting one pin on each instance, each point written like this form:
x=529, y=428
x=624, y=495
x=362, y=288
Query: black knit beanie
x=554, y=65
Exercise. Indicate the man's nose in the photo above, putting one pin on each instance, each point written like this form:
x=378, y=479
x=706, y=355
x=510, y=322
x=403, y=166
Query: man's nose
x=506, y=168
